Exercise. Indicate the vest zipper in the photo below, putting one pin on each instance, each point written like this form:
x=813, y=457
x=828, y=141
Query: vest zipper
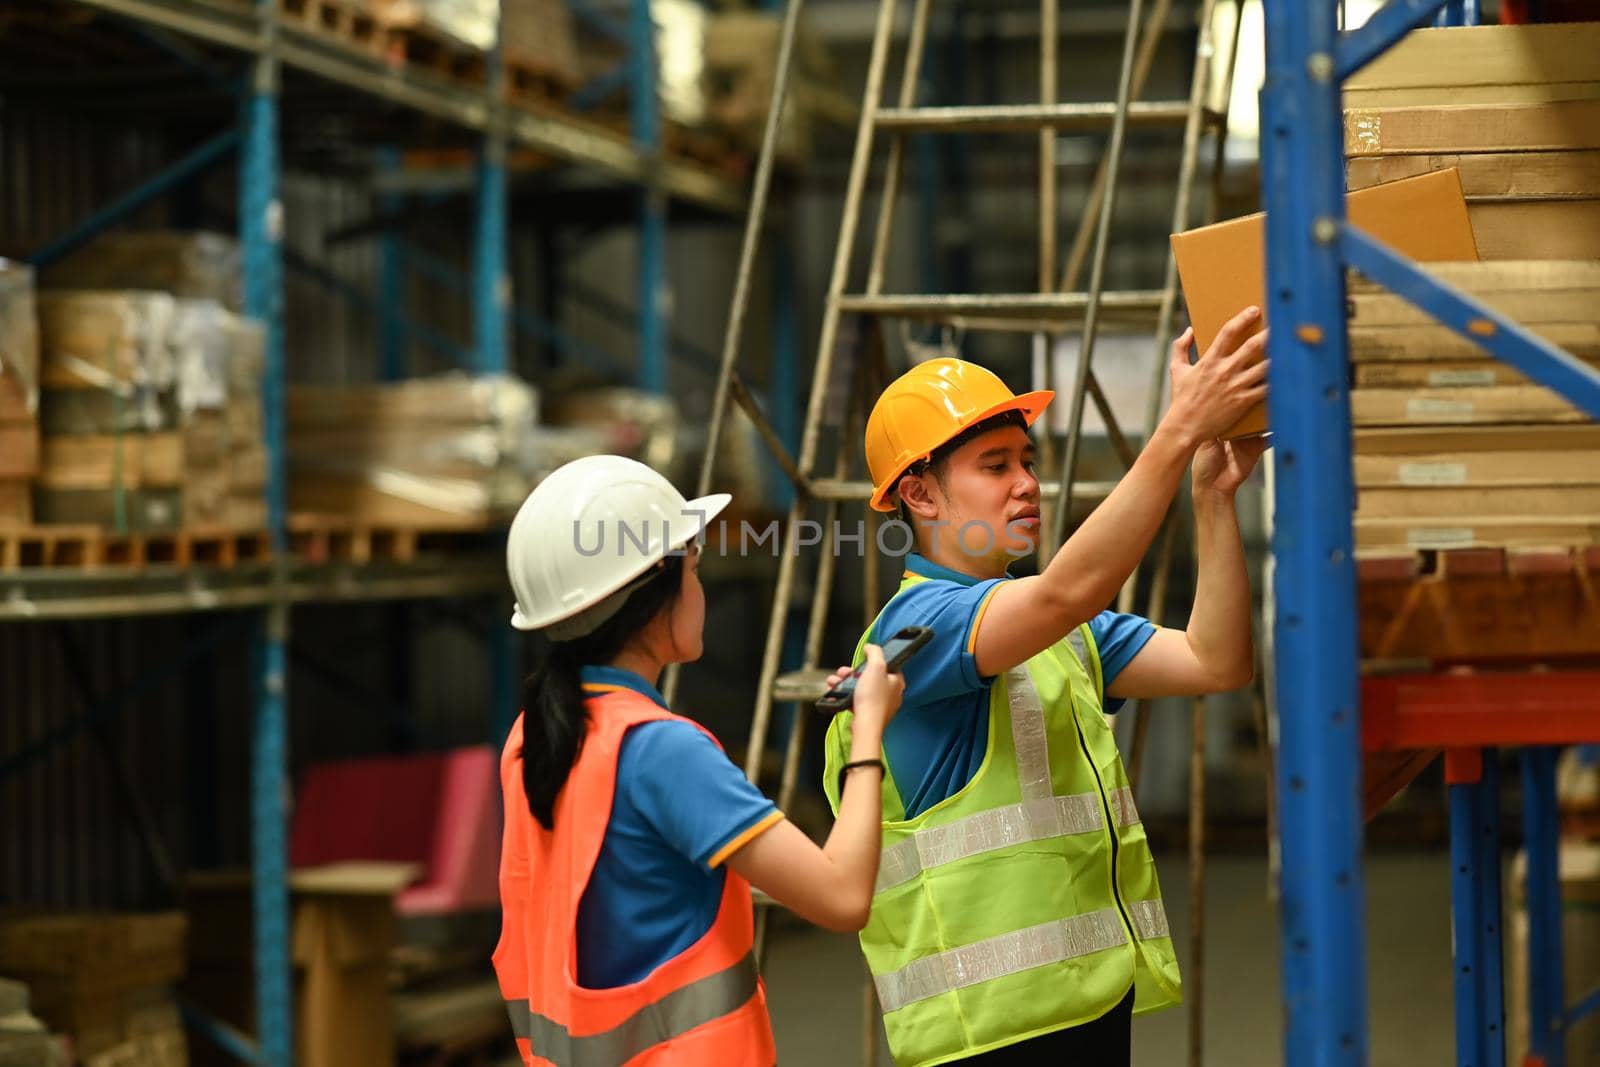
x=1111, y=827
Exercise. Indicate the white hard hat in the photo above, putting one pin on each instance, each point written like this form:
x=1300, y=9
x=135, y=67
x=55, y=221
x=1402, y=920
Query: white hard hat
x=588, y=535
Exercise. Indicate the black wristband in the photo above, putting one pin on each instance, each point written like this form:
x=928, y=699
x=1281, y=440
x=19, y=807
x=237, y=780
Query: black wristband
x=848, y=767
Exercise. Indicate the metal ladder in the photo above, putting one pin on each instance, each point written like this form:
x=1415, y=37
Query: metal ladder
x=1057, y=307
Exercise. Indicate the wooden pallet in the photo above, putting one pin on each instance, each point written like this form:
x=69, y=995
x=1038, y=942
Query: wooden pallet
x=330, y=538
x=340, y=20
x=93, y=546
x=420, y=47
x=1480, y=604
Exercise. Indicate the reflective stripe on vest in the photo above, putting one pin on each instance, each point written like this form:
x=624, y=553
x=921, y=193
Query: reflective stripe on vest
x=1149, y=919
x=1015, y=824
x=1039, y=817
x=1122, y=806
x=996, y=957
x=675, y=1014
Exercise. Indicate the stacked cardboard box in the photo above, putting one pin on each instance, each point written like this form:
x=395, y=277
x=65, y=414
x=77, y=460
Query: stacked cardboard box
x=186, y=265
x=741, y=56
x=112, y=453
x=19, y=394
x=1454, y=449
x=104, y=980
x=152, y=388
x=447, y=452
x=1516, y=109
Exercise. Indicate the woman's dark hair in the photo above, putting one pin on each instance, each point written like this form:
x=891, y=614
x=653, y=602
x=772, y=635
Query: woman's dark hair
x=554, y=720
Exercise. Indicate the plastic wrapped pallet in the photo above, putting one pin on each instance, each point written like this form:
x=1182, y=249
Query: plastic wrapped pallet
x=467, y=22
x=19, y=392
x=192, y=266
x=741, y=54
x=450, y=452
x=19, y=343
x=111, y=455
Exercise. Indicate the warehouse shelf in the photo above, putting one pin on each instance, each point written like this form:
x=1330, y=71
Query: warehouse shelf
x=289, y=68
x=46, y=594
x=569, y=137
x=1329, y=715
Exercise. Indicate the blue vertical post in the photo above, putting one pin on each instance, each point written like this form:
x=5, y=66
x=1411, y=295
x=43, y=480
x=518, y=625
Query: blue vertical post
x=260, y=238
x=1491, y=931
x=391, y=278
x=1546, y=980
x=646, y=124
x=1319, y=765
x=1465, y=899
x=491, y=303
x=1476, y=912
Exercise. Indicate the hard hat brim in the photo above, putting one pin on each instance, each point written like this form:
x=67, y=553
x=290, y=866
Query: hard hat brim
x=1030, y=405
x=701, y=509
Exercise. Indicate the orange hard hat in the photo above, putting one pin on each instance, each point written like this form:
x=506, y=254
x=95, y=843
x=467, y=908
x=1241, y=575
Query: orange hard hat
x=929, y=405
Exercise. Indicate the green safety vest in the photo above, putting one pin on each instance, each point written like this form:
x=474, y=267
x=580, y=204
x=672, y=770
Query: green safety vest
x=1028, y=901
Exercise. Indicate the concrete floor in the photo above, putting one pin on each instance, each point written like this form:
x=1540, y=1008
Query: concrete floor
x=814, y=979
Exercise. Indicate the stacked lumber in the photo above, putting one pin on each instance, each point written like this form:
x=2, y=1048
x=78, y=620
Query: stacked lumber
x=1516, y=109
x=19, y=394
x=1454, y=449
x=451, y=452
x=103, y=980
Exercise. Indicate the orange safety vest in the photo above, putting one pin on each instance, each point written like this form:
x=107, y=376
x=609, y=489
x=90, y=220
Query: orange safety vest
x=704, y=1006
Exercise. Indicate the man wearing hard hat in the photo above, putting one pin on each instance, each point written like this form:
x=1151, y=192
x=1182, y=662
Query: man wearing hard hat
x=1016, y=916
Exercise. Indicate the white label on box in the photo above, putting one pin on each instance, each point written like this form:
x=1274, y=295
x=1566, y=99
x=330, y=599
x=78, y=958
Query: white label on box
x=1433, y=473
x=1441, y=537
x=1460, y=378
x=1423, y=407
x=1367, y=131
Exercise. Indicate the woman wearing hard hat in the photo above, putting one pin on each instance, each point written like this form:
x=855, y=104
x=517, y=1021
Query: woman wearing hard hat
x=631, y=840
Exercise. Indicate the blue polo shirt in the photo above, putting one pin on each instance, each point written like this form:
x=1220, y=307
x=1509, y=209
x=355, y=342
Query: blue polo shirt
x=937, y=741
x=680, y=809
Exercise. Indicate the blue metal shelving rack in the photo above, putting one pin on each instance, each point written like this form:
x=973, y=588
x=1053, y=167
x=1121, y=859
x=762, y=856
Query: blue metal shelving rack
x=1309, y=246
x=271, y=46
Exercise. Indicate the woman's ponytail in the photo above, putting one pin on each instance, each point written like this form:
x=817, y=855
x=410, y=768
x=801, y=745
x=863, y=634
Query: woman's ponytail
x=554, y=719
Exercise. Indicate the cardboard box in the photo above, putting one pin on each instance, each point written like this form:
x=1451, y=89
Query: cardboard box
x=1490, y=175
x=1427, y=344
x=1468, y=404
x=19, y=449
x=1537, y=229
x=1478, y=456
x=16, y=502
x=101, y=461
x=121, y=510
x=1223, y=267
x=343, y=928
x=1497, y=58
x=1557, y=125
